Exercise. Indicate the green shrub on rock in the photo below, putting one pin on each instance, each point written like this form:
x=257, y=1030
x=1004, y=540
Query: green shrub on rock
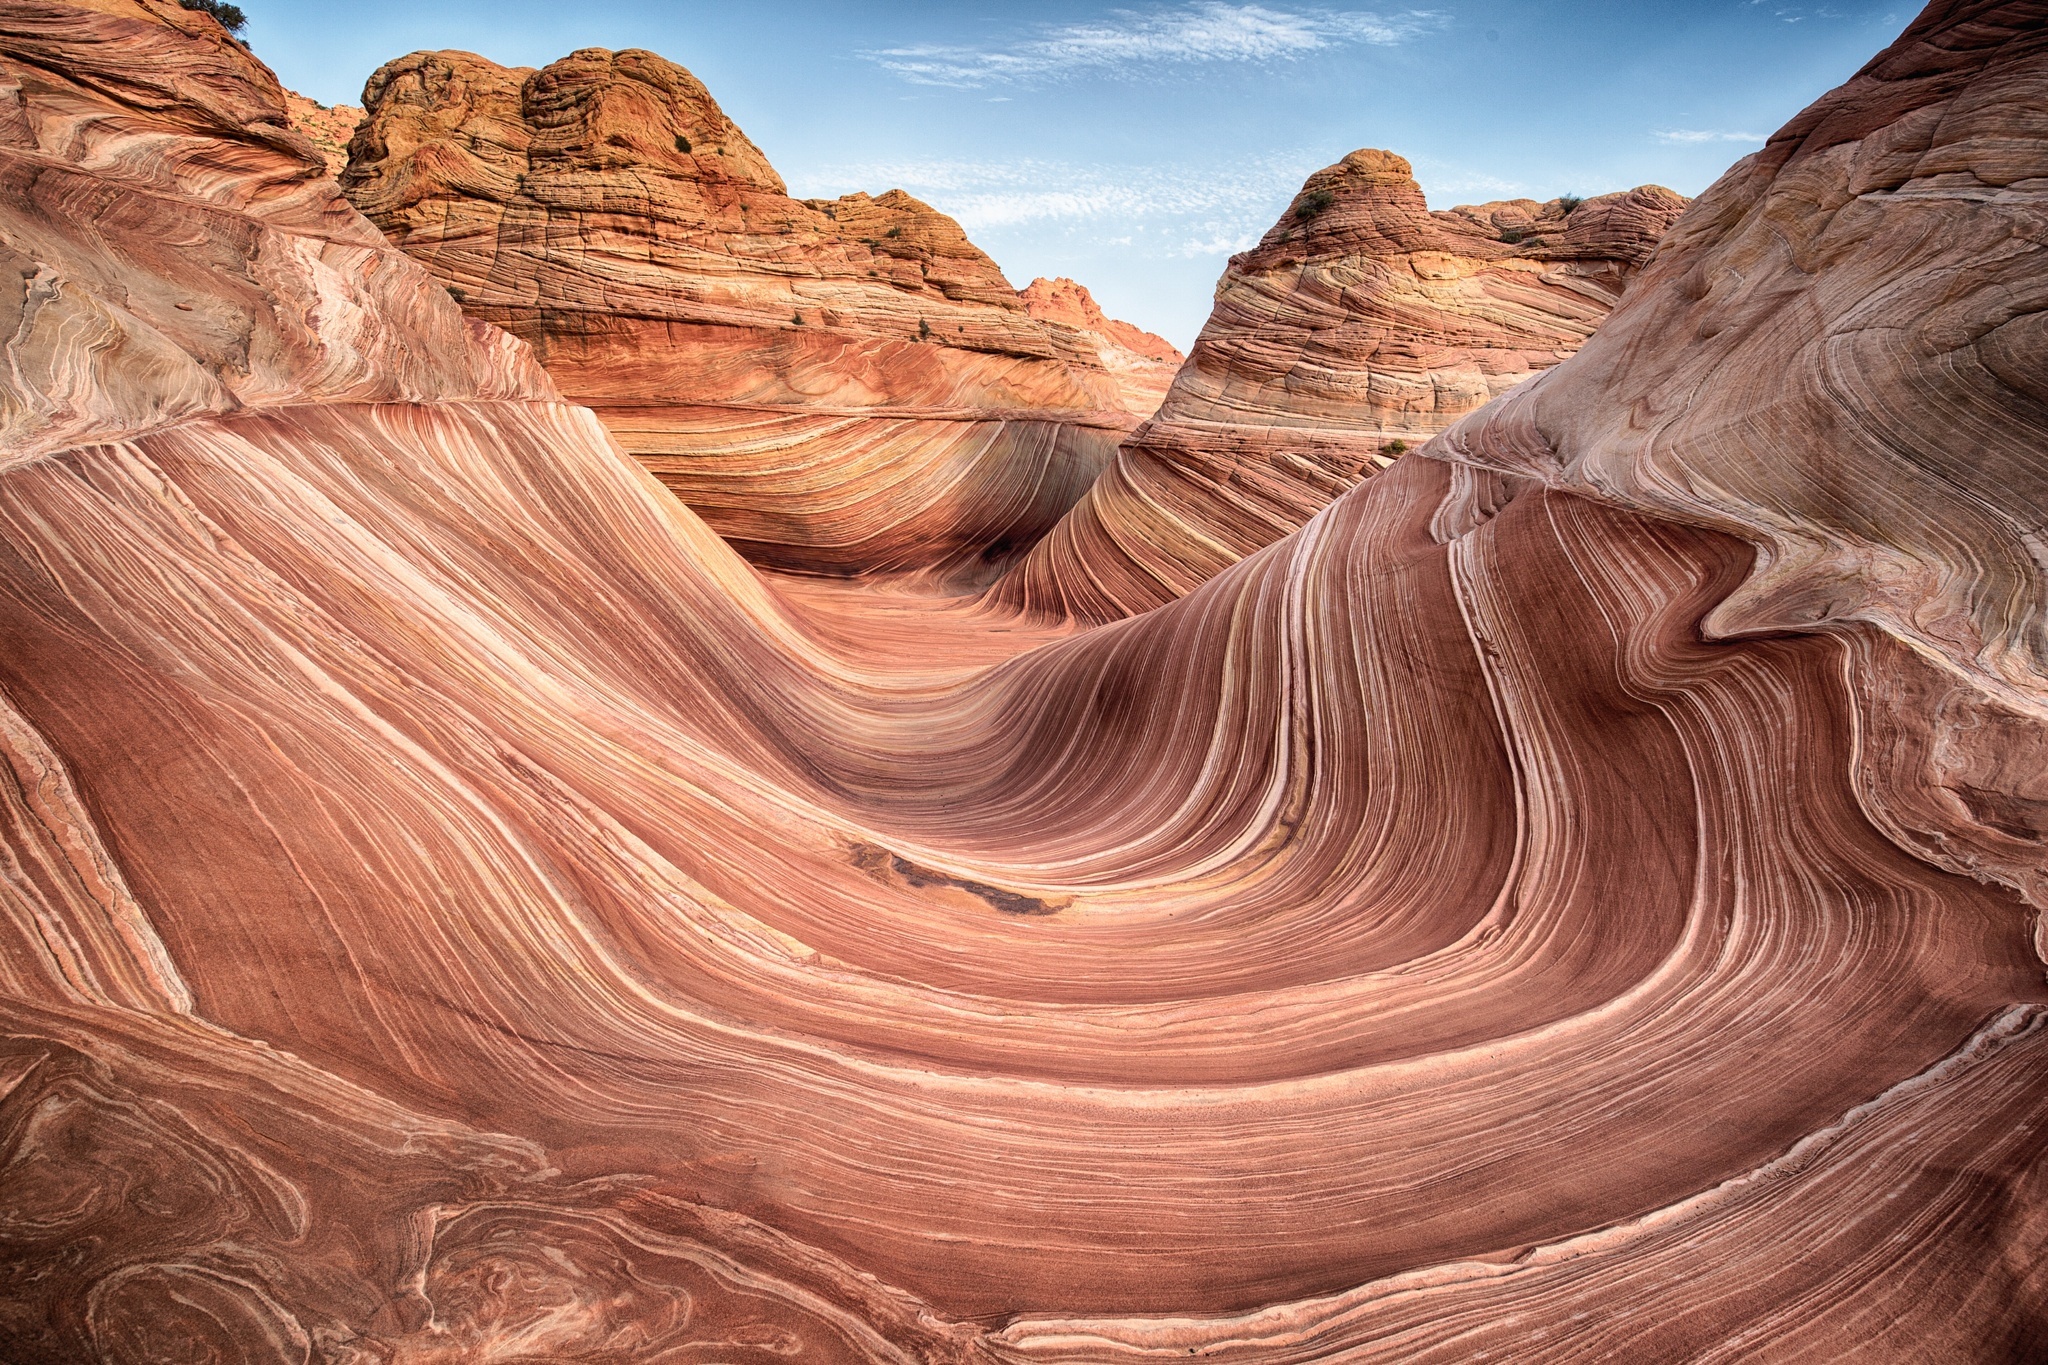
x=229, y=16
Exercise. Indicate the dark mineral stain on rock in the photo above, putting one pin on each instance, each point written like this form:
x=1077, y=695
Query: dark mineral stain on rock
x=883, y=865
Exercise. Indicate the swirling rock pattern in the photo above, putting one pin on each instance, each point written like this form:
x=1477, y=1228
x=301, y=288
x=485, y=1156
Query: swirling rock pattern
x=1861, y=394
x=452, y=907
x=1361, y=324
x=838, y=386
x=265, y=292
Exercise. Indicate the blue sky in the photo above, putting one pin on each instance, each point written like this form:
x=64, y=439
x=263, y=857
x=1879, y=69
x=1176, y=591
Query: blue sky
x=1134, y=146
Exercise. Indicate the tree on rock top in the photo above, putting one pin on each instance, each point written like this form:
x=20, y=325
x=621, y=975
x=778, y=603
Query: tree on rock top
x=230, y=17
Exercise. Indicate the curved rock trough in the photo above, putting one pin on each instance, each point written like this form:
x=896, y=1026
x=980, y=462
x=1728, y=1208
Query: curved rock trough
x=1571, y=895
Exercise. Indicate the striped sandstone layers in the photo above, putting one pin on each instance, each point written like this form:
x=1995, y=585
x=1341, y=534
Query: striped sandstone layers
x=1144, y=364
x=837, y=386
x=327, y=127
x=455, y=909
x=271, y=291
x=1362, y=320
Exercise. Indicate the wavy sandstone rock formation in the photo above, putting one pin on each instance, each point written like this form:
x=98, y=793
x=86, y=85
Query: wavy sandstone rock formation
x=328, y=127
x=838, y=386
x=1574, y=899
x=1361, y=324
x=1144, y=364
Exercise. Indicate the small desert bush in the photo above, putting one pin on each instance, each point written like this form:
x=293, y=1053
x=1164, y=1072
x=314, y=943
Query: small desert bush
x=230, y=16
x=682, y=143
x=1568, y=202
x=1394, y=448
x=1313, y=203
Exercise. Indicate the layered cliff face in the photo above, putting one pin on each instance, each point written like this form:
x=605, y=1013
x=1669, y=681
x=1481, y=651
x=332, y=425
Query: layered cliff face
x=837, y=386
x=1361, y=325
x=456, y=909
x=269, y=292
x=1143, y=364
x=328, y=127
x=1862, y=396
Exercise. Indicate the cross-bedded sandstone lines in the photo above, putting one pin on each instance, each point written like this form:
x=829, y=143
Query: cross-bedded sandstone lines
x=842, y=386
x=1362, y=324
x=1143, y=364
x=453, y=907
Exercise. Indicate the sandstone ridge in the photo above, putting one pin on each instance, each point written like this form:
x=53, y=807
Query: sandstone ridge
x=328, y=127
x=1360, y=325
x=837, y=386
x=1144, y=364
x=1577, y=897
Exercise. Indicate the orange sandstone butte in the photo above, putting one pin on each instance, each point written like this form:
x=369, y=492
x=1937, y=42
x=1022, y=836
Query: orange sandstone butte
x=1144, y=364
x=1576, y=897
x=838, y=386
x=327, y=127
x=1362, y=324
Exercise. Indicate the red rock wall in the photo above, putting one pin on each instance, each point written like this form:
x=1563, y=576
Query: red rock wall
x=453, y=908
x=1361, y=325
x=1143, y=364
x=327, y=127
x=839, y=386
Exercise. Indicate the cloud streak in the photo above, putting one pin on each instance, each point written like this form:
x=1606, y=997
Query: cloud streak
x=1131, y=40
x=1172, y=210
x=1688, y=136
x=1166, y=210
x=1449, y=178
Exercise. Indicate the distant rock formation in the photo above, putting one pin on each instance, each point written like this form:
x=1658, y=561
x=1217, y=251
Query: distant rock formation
x=1578, y=898
x=837, y=385
x=1144, y=364
x=327, y=127
x=1360, y=325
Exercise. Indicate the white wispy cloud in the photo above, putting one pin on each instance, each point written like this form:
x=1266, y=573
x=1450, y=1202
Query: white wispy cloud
x=1187, y=209
x=1794, y=13
x=1225, y=205
x=1445, y=182
x=1213, y=244
x=1130, y=40
x=1689, y=135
